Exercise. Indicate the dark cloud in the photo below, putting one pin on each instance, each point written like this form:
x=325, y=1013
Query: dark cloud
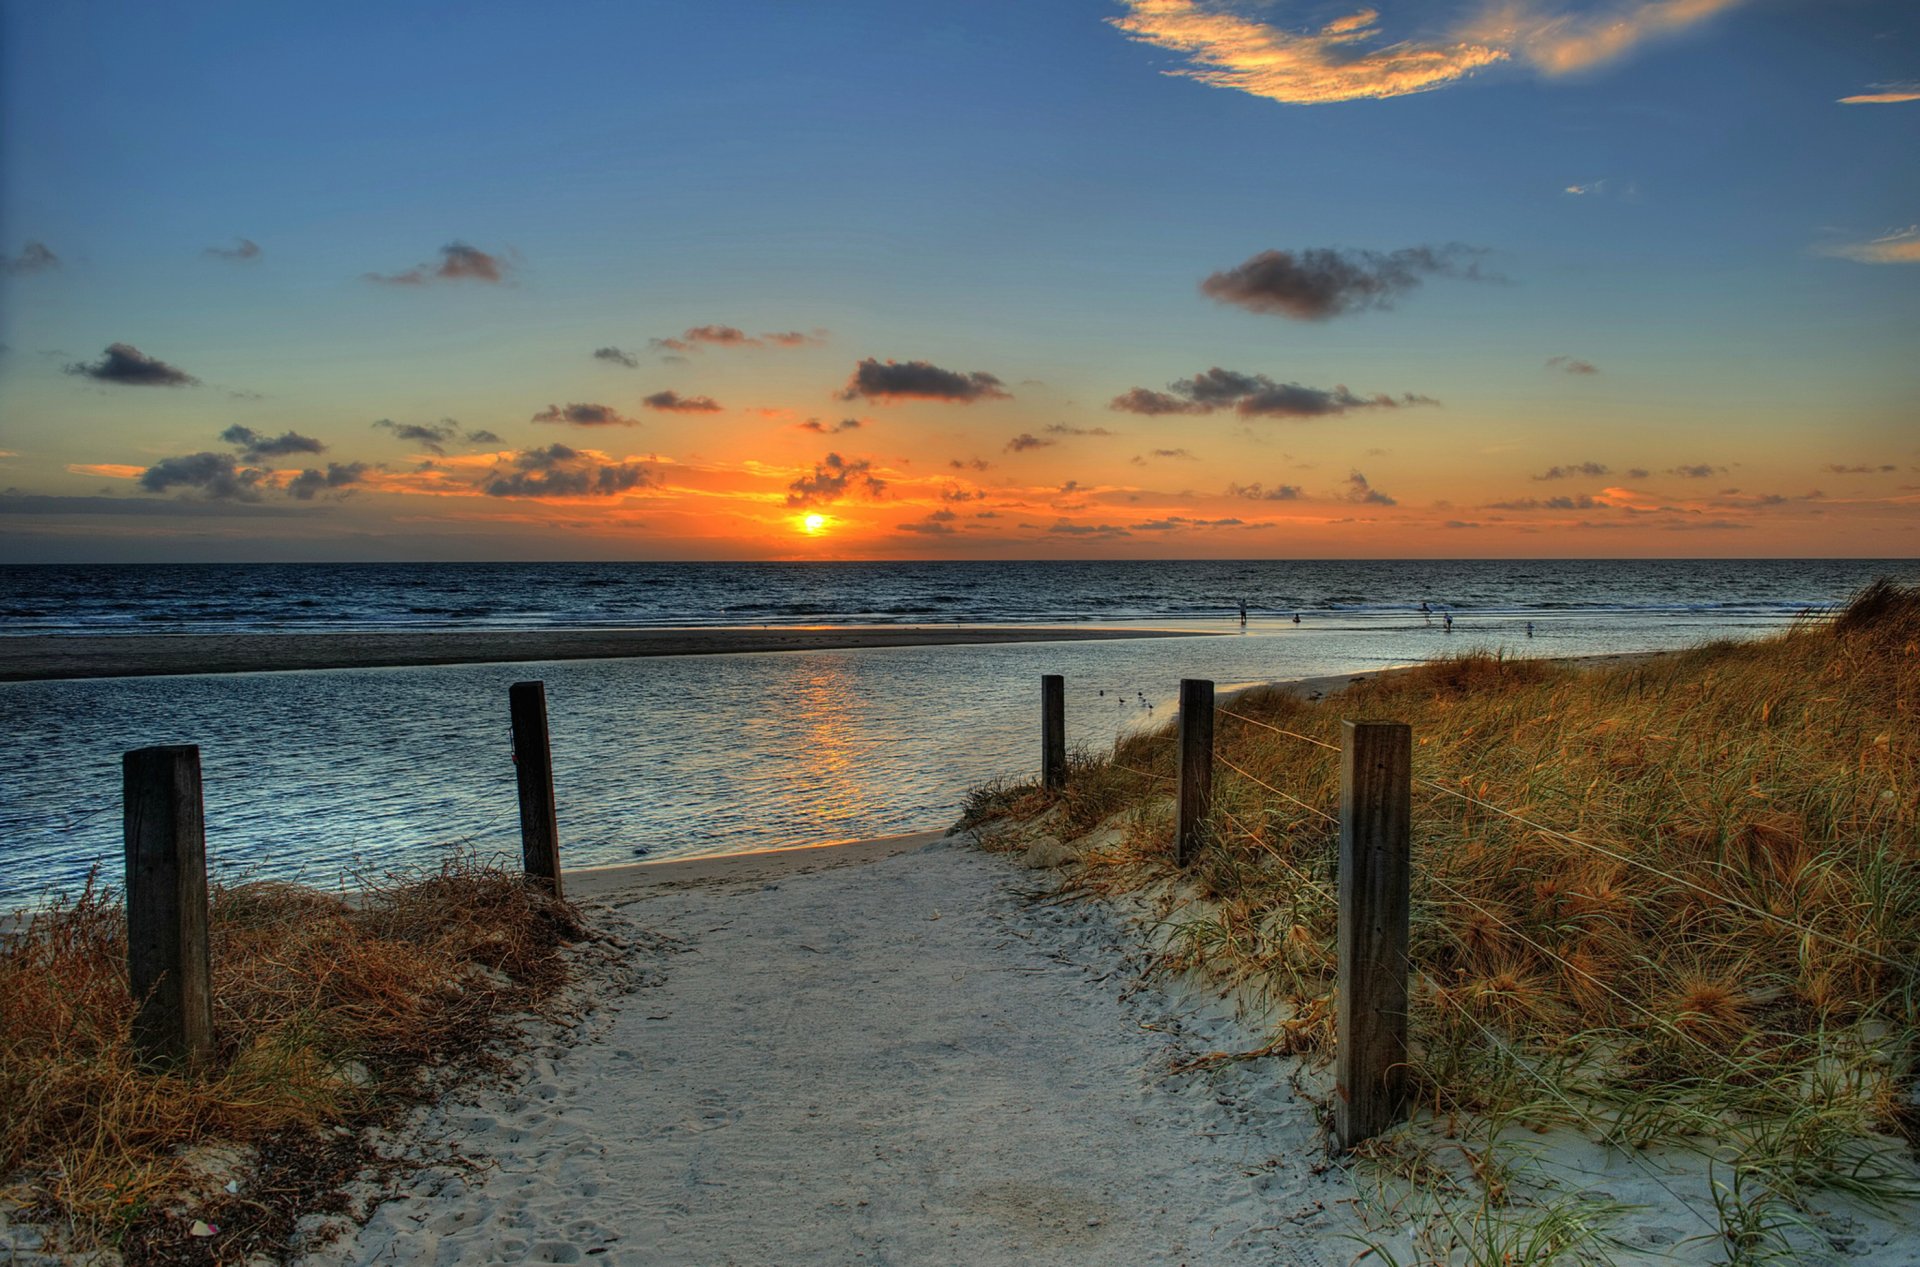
x=1638, y=473
x=1254, y=396
x=960, y=493
x=1024, y=441
x=586, y=415
x=458, y=262
x=560, y=471
x=1062, y=429
x=674, y=403
x=1067, y=528
x=969, y=464
x=34, y=257
x=1359, y=490
x=617, y=356
x=834, y=478
x=435, y=437
x=14, y=502
x=128, y=366
x=1320, y=282
x=310, y=483
x=829, y=428
x=217, y=476
x=695, y=338
x=1175, y=522
x=1593, y=469
x=1697, y=471
x=1175, y=454
x=918, y=380
x=1837, y=468
x=937, y=524
x=1572, y=365
x=256, y=447
x=1580, y=502
x=1264, y=493
x=247, y=249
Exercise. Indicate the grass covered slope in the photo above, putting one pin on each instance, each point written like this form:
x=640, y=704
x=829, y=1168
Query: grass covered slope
x=329, y=1018
x=1696, y=922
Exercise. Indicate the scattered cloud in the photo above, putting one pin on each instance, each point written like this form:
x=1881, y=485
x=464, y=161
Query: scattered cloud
x=590, y=415
x=1884, y=95
x=558, y=471
x=1638, y=473
x=795, y=338
x=310, y=483
x=1062, y=429
x=918, y=380
x=34, y=257
x=1696, y=471
x=1902, y=246
x=1592, y=469
x=834, y=478
x=1858, y=469
x=458, y=262
x=243, y=251
x=969, y=464
x=674, y=403
x=1324, y=282
x=256, y=447
x=829, y=428
x=618, y=357
x=128, y=366
x=1579, y=502
x=1254, y=396
x=694, y=338
x=434, y=437
x=937, y=524
x=1174, y=522
x=1170, y=454
x=1352, y=59
x=217, y=476
x=1266, y=493
x=1359, y=490
x=1067, y=528
x=1572, y=365
x=1026, y=441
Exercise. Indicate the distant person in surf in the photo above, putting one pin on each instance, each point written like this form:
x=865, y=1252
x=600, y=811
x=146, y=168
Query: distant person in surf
x=1243, y=613
x=1296, y=618
x=1447, y=619
x=1529, y=629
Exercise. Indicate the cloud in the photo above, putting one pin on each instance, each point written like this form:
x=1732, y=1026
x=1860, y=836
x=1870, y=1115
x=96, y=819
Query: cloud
x=310, y=483
x=1173, y=522
x=1572, y=365
x=128, y=366
x=1858, y=469
x=1067, y=528
x=829, y=428
x=1884, y=95
x=1025, y=441
x=34, y=257
x=560, y=471
x=436, y=436
x=937, y=524
x=1359, y=490
x=1345, y=60
x=617, y=356
x=1902, y=246
x=14, y=502
x=834, y=478
x=1697, y=471
x=969, y=464
x=256, y=447
x=217, y=476
x=458, y=262
x=1638, y=473
x=246, y=250
x=1062, y=429
x=795, y=338
x=588, y=415
x=1254, y=396
x=1323, y=282
x=694, y=338
x=674, y=403
x=1579, y=502
x=1262, y=493
x=1593, y=469
x=918, y=380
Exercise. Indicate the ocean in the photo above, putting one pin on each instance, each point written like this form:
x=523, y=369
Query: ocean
x=324, y=775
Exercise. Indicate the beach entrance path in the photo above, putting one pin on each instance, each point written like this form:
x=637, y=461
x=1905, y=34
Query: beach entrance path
x=888, y=1053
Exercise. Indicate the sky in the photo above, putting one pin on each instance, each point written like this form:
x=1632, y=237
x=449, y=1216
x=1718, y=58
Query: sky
x=959, y=279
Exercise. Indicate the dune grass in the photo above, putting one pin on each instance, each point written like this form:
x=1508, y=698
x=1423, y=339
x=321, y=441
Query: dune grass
x=329, y=1018
x=1706, y=932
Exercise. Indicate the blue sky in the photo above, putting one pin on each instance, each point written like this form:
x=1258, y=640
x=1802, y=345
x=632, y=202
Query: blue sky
x=1670, y=193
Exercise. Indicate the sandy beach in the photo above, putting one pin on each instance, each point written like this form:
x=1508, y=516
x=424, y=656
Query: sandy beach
x=41, y=657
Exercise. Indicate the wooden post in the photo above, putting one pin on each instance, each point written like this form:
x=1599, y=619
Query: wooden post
x=1053, y=732
x=1376, y=793
x=1196, y=768
x=167, y=965
x=533, y=765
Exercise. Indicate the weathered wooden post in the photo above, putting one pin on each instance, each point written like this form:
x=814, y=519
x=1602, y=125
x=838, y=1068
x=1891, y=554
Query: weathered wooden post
x=1196, y=768
x=167, y=964
x=533, y=766
x=1376, y=793
x=1053, y=732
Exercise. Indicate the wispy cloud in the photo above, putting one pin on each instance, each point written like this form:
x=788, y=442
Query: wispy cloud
x=1266, y=492
x=458, y=262
x=828, y=428
x=833, y=479
x=1884, y=95
x=1590, y=469
x=34, y=257
x=618, y=357
x=256, y=447
x=589, y=415
x=558, y=471
x=127, y=366
x=243, y=251
x=1254, y=396
x=1360, y=491
x=1902, y=246
x=1025, y=442
x=1322, y=282
x=694, y=338
x=1572, y=365
x=674, y=403
x=919, y=380
x=435, y=436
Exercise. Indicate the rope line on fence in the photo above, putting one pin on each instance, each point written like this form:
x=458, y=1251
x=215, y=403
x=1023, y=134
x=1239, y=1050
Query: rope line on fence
x=1279, y=857
x=1291, y=734
x=1256, y=780
x=1145, y=774
x=1629, y=860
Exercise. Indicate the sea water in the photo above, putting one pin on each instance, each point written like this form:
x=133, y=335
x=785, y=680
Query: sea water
x=321, y=775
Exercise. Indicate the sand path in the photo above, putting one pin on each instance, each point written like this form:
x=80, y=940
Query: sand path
x=880, y=1057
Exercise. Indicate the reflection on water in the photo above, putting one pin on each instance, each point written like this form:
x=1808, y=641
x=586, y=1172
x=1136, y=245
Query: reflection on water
x=314, y=774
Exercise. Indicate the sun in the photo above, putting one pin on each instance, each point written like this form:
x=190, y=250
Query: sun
x=812, y=524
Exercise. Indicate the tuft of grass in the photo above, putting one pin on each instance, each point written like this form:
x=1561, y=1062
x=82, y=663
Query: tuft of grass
x=329, y=1018
x=1705, y=933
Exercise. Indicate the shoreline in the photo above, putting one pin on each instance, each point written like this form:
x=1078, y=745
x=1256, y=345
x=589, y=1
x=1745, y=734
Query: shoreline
x=55, y=657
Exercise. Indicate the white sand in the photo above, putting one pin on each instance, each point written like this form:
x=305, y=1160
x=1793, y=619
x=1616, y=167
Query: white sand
x=882, y=1054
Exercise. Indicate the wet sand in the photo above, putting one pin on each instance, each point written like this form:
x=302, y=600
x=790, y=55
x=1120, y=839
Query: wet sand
x=37, y=657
